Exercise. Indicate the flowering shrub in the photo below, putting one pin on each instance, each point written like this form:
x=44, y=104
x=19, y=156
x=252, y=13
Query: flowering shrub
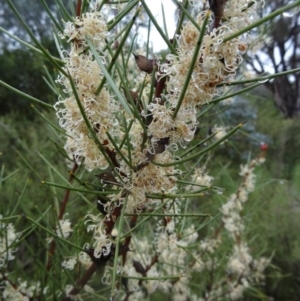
x=140, y=146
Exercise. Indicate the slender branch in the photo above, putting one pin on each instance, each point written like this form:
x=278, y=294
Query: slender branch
x=78, y=8
x=60, y=217
x=82, y=282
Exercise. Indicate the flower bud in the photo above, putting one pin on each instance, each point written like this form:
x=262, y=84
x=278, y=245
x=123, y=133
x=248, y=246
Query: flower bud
x=145, y=64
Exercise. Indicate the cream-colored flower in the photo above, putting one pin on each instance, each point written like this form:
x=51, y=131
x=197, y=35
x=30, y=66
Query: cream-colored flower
x=64, y=228
x=8, y=237
x=69, y=264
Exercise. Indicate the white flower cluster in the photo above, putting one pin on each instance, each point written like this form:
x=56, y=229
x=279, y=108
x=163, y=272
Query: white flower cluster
x=200, y=178
x=20, y=292
x=168, y=259
x=219, y=132
x=100, y=109
x=136, y=178
x=90, y=25
x=217, y=62
x=8, y=237
x=242, y=267
x=171, y=257
x=63, y=229
x=82, y=258
x=102, y=244
x=231, y=210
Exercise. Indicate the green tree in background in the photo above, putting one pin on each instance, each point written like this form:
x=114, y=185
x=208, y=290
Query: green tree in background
x=277, y=50
x=23, y=70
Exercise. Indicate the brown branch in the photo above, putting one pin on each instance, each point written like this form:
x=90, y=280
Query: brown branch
x=67, y=194
x=217, y=7
x=82, y=282
x=152, y=263
x=78, y=8
x=60, y=216
x=127, y=241
x=109, y=223
x=160, y=87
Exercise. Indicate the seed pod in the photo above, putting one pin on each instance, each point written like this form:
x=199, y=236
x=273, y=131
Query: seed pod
x=101, y=205
x=139, y=268
x=102, y=260
x=145, y=64
x=107, y=178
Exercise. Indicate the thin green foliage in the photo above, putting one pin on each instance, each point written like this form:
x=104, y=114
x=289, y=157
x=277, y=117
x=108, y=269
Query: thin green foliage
x=136, y=206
